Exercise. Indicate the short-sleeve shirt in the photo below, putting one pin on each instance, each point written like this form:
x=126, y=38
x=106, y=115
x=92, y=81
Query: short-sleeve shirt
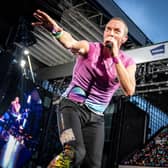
x=94, y=78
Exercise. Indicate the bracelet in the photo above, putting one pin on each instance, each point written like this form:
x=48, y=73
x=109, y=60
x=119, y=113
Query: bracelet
x=58, y=34
x=116, y=60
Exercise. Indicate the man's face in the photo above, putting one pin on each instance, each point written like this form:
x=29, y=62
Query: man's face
x=115, y=29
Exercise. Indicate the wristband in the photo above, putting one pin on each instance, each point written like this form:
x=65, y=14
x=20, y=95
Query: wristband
x=116, y=60
x=58, y=34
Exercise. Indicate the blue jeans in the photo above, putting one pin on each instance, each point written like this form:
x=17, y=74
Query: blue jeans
x=83, y=130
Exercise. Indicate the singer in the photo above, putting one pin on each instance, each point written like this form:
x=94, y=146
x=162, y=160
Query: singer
x=82, y=106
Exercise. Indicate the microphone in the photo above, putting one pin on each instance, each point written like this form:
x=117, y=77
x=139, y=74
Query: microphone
x=109, y=45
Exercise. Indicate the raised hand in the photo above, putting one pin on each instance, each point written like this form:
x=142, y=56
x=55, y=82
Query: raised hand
x=46, y=21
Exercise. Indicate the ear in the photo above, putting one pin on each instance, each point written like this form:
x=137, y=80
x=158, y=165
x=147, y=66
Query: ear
x=124, y=39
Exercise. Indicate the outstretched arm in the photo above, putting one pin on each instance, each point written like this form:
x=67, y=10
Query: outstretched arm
x=65, y=38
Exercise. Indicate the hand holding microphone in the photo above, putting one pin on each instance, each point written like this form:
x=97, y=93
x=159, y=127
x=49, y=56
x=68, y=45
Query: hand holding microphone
x=112, y=46
x=109, y=45
x=109, y=42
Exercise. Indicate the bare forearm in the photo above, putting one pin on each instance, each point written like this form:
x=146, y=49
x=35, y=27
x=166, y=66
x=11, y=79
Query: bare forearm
x=126, y=79
x=69, y=42
x=126, y=76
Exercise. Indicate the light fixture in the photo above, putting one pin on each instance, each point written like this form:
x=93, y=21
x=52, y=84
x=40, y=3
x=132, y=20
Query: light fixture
x=26, y=52
x=22, y=63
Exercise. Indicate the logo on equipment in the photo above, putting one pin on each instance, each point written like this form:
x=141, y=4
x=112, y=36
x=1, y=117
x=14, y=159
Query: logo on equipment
x=158, y=50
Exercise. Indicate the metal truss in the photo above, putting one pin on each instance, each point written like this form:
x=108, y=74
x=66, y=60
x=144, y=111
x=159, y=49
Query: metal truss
x=152, y=76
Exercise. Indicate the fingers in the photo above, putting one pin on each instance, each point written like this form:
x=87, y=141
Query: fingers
x=38, y=16
x=36, y=23
x=111, y=40
x=45, y=20
x=42, y=16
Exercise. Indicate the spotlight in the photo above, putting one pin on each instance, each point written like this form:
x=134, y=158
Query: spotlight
x=22, y=63
x=26, y=52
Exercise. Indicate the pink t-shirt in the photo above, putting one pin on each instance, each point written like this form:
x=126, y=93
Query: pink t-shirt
x=94, y=78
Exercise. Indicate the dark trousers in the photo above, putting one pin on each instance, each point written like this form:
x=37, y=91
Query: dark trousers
x=82, y=129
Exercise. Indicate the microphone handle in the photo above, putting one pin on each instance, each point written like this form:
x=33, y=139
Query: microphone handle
x=109, y=45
